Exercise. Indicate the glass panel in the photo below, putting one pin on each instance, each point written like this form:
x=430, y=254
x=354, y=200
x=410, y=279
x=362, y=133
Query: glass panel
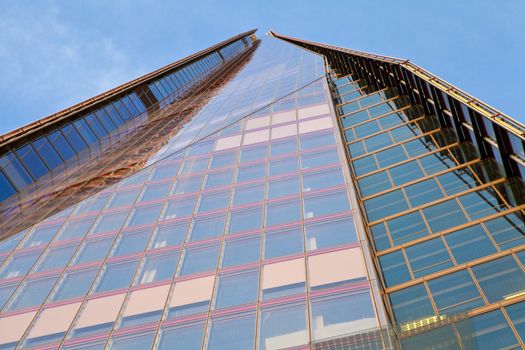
x=152, y=192
x=486, y=332
x=469, y=244
x=283, y=187
x=116, y=276
x=428, y=257
x=317, y=159
x=19, y=265
x=248, y=194
x=158, y=267
x=245, y=220
x=385, y=205
x=94, y=250
x=251, y=172
x=180, y=207
x=145, y=215
x=331, y=233
x=232, y=333
x=283, y=166
x=283, y=242
x=184, y=337
x=55, y=258
x=40, y=235
x=336, y=315
x=444, y=215
x=241, y=251
x=411, y=304
x=407, y=228
x=423, y=192
x=508, y=231
x=283, y=327
x=374, y=184
x=207, y=227
x=169, y=234
x=214, y=201
x=237, y=289
x=133, y=341
x=282, y=212
x=110, y=222
x=325, y=204
x=516, y=313
x=199, y=259
x=500, y=279
x=455, y=293
x=394, y=268
x=32, y=293
x=407, y=172
x=75, y=228
x=131, y=242
x=74, y=284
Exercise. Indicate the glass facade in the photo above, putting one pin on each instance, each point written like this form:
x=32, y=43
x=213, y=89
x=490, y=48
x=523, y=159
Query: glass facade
x=257, y=197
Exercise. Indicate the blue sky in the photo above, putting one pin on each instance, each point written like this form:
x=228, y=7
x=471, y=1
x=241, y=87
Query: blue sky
x=57, y=53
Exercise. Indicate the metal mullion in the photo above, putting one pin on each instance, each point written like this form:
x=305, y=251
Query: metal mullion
x=430, y=133
x=438, y=150
x=444, y=199
x=448, y=231
x=140, y=265
x=421, y=179
x=59, y=278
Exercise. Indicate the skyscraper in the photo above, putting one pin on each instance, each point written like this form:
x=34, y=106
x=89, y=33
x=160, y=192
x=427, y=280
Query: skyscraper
x=266, y=193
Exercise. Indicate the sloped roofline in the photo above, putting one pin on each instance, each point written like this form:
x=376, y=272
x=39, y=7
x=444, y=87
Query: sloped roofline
x=71, y=111
x=481, y=107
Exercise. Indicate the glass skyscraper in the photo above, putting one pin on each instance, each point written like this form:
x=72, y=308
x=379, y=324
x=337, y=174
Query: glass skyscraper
x=266, y=193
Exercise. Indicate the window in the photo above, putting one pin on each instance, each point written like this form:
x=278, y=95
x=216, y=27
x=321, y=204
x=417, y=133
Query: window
x=248, y=194
x=241, y=251
x=219, y=179
x=110, y=222
x=205, y=227
x=152, y=192
x=334, y=314
x=237, y=289
x=455, y=293
x=133, y=341
x=199, y=259
x=283, y=166
x=278, y=148
x=516, y=313
x=194, y=165
x=245, y=220
x=310, y=141
x=380, y=237
x=407, y=228
x=75, y=228
x=487, y=331
x=5, y=292
x=373, y=184
x=508, y=231
x=423, y=192
x=55, y=258
x=428, y=257
x=145, y=215
x=253, y=153
x=188, y=185
x=32, y=292
x=232, y=333
x=283, y=242
x=158, y=267
x=169, y=234
x=411, y=304
x=251, y=172
x=131, y=242
x=390, y=156
x=19, y=264
x=407, y=172
x=283, y=326
x=182, y=336
x=330, y=233
x=323, y=179
x=394, y=268
x=283, y=187
x=316, y=159
x=444, y=215
x=74, y=284
x=282, y=212
x=385, y=205
x=214, y=201
x=223, y=159
x=500, y=279
x=165, y=171
x=94, y=250
x=469, y=244
x=123, y=198
x=180, y=207
x=40, y=235
x=116, y=276
x=482, y=203
x=283, y=278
